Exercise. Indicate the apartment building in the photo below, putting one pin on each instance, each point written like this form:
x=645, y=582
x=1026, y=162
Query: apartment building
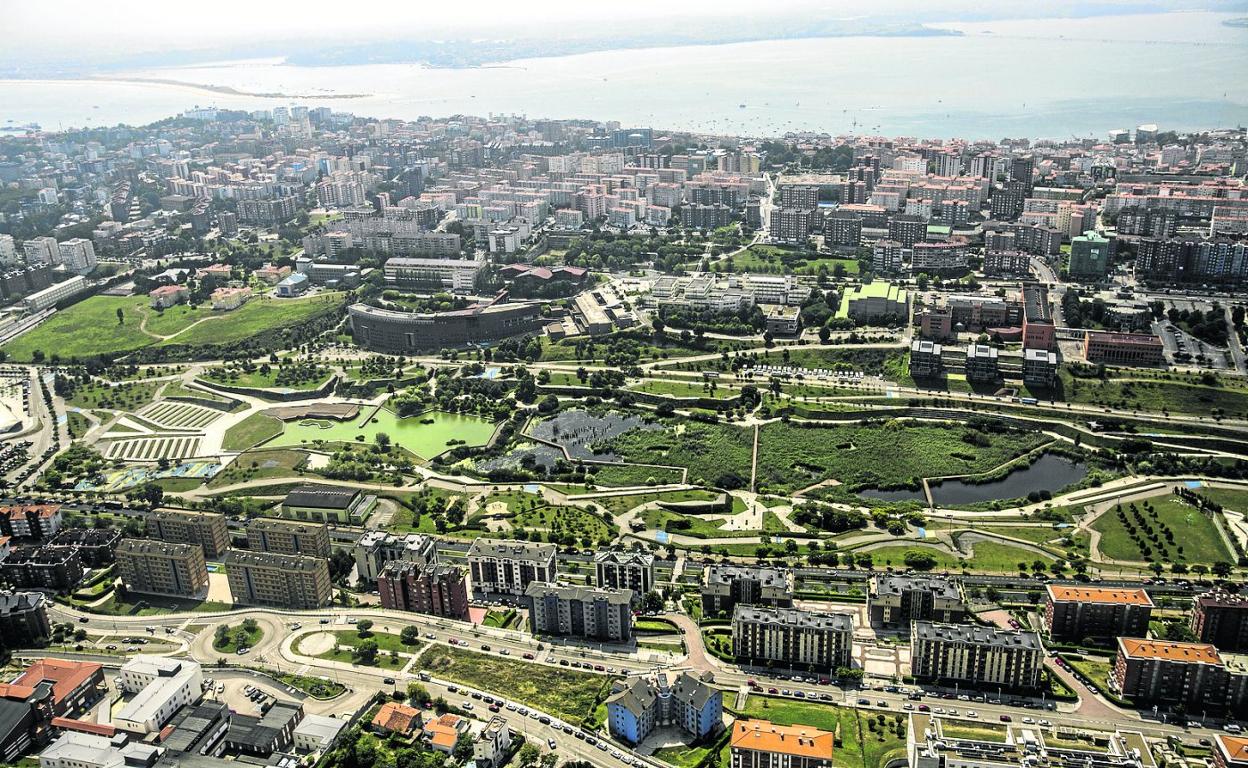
x=504, y=566
x=925, y=359
x=298, y=582
x=763, y=744
x=492, y=745
x=30, y=521
x=58, y=569
x=982, y=363
x=689, y=702
x=206, y=529
x=1040, y=368
x=975, y=656
x=162, y=567
x=376, y=549
x=438, y=589
x=24, y=618
x=821, y=642
x=1194, y=675
x=894, y=599
x=288, y=537
x=1221, y=619
x=1074, y=613
x=632, y=570
x=724, y=586
x=589, y=612
x=1038, y=329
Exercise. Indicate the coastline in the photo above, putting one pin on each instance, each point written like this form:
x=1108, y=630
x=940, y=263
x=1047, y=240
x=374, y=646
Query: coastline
x=224, y=90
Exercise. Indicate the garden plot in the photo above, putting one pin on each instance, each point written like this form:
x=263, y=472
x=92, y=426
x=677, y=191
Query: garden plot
x=175, y=415
x=155, y=448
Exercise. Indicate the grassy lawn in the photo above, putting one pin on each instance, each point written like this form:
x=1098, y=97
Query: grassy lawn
x=964, y=729
x=150, y=605
x=259, y=314
x=619, y=504
x=1177, y=393
x=232, y=645
x=623, y=475
x=63, y=333
x=257, y=380
x=1095, y=669
x=683, y=389
x=316, y=687
x=251, y=431
x=692, y=755
x=258, y=465
x=989, y=557
x=77, y=424
x=1236, y=501
x=571, y=696
x=1195, y=537
x=703, y=528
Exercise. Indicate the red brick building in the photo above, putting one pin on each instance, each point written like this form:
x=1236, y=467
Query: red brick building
x=438, y=589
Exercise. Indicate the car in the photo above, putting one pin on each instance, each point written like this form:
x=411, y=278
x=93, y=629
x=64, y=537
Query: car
x=580, y=735
x=617, y=754
x=543, y=719
x=241, y=651
x=972, y=713
x=453, y=688
x=534, y=715
x=83, y=619
x=1006, y=719
x=529, y=656
x=485, y=647
x=864, y=702
x=453, y=641
x=111, y=647
x=352, y=620
x=324, y=621
x=388, y=680
x=602, y=746
x=476, y=695
x=964, y=697
x=939, y=710
x=550, y=743
x=567, y=728
x=599, y=668
x=467, y=704
x=881, y=703
x=563, y=662
x=924, y=708
x=510, y=707
x=522, y=711
x=785, y=691
x=907, y=706
x=590, y=740
x=430, y=636
x=504, y=652
x=1045, y=723
x=220, y=687
x=772, y=691
x=799, y=694
x=296, y=625
x=1029, y=720
x=1232, y=728
x=495, y=708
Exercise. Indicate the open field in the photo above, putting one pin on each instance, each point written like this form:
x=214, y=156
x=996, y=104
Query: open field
x=130, y=396
x=251, y=431
x=989, y=557
x=1193, y=537
x=259, y=465
x=1144, y=393
x=62, y=333
x=570, y=695
x=426, y=435
x=561, y=523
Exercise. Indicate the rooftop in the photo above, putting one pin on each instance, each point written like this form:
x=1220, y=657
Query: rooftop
x=65, y=676
x=155, y=547
x=511, y=549
x=282, y=561
x=793, y=617
x=1164, y=650
x=321, y=497
x=977, y=635
x=895, y=584
x=1061, y=592
x=537, y=589
x=797, y=740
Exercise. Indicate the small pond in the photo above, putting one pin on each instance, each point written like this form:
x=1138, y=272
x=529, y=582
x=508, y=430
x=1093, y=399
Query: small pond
x=1050, y=472
x=578, y=430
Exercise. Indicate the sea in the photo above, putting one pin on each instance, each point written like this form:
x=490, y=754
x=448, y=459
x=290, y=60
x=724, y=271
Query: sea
x=1048, y=78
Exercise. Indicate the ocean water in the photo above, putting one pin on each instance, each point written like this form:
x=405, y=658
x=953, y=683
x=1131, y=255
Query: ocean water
x=1052, y=78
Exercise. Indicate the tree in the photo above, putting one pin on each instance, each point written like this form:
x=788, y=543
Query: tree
x=919, y=560
x=409, y=636
x=418, y=695
x=652, y=602
x=221, y=636
x=250, y=625
x=367, y=652
x=121, y=316
x=529, y=755
x=363, y=627
x=1222, y=569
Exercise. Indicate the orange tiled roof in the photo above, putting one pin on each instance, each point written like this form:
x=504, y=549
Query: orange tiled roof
x=396, y=717
x=65, y=676
x=798, y=740
x=440, y=735
x=1166, y=650
x=69, y=724
x=1233, y=747
x=1099, y=595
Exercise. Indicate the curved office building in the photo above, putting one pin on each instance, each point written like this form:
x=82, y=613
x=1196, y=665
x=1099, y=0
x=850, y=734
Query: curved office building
x=385, y=330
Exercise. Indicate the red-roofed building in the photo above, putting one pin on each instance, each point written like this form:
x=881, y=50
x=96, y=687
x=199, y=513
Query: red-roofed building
x=443, y=732
x=167, y=296
x=1191, y=674
x=30, y=521
x=394, y=717
x=1072, y=613
x=64, y=688
x=84, y=726
x=1230, y=751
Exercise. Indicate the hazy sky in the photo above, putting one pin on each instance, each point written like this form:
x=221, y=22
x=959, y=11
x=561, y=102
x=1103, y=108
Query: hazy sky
x=54, y=29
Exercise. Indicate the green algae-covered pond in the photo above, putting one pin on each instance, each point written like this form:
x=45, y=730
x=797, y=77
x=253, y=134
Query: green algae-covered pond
x=425, y=434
